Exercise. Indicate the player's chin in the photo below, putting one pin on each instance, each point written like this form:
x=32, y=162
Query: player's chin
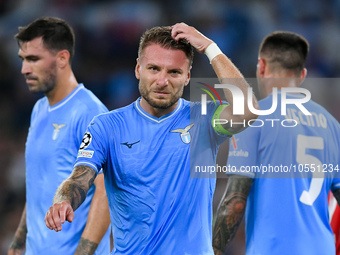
x=33, y=89
x=162, y=98
x=161, y=103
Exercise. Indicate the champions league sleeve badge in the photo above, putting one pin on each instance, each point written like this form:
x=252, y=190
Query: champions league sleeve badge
x=86, y=141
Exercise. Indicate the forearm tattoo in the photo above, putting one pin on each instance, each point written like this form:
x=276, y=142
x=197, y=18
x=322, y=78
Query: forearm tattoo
x=19, y=240
x=75, y=188
x=86, y=247
x=230, y=211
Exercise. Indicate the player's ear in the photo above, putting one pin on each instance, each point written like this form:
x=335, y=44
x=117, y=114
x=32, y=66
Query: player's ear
x=261, y=66
x=303, y=75
x=188, y=77
x=137, y=74
x=63, y=57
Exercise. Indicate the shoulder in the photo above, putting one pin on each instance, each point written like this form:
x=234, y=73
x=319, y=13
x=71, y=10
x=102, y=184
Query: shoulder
x=120, y=113
x=40, y=104
x=267, y=101
x=88, y=102
x=323, y=110
x=197, y=107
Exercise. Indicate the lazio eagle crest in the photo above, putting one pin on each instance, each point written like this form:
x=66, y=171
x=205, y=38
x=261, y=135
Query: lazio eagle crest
x=185, y=135
x=57, y=130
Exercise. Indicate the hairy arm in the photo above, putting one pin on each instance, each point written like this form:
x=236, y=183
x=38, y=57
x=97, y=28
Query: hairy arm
x=227, y=73
x=69, y=196
x=98, y=220
x=230, y=211
x=18, y=243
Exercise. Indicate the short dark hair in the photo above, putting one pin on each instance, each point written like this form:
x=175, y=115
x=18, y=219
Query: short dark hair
x=56, y=34
x=162, y=36
x=288, y=49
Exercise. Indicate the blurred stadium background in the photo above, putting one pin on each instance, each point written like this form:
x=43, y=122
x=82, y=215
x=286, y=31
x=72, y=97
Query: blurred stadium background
x=107, y=37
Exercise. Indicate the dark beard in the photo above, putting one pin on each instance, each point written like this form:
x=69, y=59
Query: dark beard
x=160, y=105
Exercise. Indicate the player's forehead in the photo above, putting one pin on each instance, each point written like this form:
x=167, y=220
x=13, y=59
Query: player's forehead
x=157, y=54
x=33, y=47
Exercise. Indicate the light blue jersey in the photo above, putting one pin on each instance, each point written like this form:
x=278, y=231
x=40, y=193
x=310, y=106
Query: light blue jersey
x=53, y=140
x=289, y=214
x=155, y=206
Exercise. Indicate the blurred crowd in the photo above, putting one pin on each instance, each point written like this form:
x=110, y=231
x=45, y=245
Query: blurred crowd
x=107, y=37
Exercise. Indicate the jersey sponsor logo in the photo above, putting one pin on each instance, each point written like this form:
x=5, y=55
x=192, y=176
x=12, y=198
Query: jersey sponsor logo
x=129, y=145
x=57, y=130
x=185, y=135
x=237, y=152
x=86, y=141
x=85, y=154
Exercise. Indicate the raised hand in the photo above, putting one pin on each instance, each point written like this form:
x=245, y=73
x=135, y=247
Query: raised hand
x=193, y=36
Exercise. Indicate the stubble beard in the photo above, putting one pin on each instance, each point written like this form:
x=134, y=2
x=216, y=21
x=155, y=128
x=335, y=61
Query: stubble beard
x=47, y=83
x=160, y=104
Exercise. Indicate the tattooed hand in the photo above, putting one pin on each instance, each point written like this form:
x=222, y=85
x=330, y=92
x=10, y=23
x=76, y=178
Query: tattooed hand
x=69, y=196
x=58, y=214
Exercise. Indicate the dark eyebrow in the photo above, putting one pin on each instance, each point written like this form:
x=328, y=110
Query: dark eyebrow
x=152, y=65
x=29, y=57
x=176, y=69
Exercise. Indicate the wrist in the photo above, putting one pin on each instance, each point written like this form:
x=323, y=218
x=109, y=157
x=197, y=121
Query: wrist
x=212, y=51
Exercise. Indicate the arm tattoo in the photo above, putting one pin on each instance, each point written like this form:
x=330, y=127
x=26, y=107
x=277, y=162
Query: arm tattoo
x=336, y=194
x=86, y=247
x=75, y=188
x=19, y=240
x=230, y=211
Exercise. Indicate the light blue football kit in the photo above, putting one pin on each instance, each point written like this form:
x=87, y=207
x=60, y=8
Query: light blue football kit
x=155, y=206
x=54, y=137
x=285, y=213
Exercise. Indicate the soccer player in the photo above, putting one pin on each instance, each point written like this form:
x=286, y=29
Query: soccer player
x=143, y=148
x=285, y=213
x=58, y=122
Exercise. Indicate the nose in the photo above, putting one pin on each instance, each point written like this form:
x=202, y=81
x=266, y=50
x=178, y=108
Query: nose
x=162, y=79
x=25, y=68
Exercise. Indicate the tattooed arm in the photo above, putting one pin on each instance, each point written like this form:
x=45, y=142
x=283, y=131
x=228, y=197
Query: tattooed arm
x=19, y=240
x=230, y=211
x=69, y=196
x=98, y=220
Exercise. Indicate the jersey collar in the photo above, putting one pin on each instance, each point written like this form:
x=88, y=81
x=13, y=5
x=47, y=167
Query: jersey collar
x=66, y=99
x=153, y=118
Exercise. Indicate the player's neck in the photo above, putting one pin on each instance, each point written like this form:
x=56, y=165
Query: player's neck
x=64, y=86
x=157, y=112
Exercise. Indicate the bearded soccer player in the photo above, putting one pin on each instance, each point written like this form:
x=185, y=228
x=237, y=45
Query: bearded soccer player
x=156, y=208
x=58, y=122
